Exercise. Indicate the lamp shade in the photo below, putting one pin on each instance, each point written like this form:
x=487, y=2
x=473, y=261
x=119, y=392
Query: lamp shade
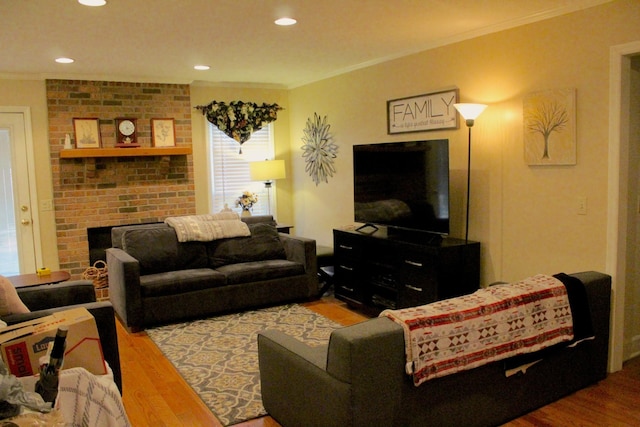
x=470, y=111
x=267, y=170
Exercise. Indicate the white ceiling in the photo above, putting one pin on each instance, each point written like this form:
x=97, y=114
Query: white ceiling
x=161, y=40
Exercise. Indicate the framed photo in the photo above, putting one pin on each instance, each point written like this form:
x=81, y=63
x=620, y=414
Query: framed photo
x=431, y=111
x=87, y=132
x=163, y=132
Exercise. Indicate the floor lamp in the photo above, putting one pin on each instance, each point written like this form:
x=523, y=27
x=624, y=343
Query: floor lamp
x=470, y=113
x=267, y=171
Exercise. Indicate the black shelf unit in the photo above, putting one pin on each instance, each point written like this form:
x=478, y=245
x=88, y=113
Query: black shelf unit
x=375, y=271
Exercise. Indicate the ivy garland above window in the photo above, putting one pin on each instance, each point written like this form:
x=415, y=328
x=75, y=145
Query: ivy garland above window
x=238, y=119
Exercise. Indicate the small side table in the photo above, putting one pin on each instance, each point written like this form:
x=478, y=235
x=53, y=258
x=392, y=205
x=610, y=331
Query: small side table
x=324, y=255
x=26, y=280
x=283, y=228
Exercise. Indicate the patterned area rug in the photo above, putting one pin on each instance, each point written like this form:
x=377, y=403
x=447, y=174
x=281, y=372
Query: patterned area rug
x=218, y=357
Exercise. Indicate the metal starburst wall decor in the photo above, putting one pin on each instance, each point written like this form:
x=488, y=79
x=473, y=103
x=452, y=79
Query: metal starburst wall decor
x=319, y=150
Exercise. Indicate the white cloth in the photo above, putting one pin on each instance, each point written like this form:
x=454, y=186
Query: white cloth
x=205, y=228
x=85, y=399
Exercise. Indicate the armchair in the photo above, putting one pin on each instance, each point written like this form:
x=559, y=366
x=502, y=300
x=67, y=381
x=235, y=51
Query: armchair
x=46, y=299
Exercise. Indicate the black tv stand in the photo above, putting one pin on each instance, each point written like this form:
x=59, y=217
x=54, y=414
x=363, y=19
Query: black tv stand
x=388, y=270
x=414, y=236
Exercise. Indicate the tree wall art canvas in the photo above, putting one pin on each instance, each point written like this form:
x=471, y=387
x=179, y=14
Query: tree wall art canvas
x=549, y=119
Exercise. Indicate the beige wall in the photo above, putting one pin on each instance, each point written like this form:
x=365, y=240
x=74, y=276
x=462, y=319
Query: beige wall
x=525, y=217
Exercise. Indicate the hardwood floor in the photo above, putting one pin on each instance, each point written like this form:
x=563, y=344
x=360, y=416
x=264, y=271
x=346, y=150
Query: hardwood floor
x=155, y=394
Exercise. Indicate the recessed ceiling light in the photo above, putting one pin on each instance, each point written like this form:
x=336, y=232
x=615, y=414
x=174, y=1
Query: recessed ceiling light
x=201, y=67
x=64, y=60
x=285, y=21
x=92, y=2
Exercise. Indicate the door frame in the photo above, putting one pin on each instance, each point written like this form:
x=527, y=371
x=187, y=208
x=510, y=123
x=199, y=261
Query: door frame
x=31, y=174
x=619, y=64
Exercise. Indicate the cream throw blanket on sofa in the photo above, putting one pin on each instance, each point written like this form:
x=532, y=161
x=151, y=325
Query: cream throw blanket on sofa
x=208, y=227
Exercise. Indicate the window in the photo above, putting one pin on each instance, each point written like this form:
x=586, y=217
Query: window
x=229, y=170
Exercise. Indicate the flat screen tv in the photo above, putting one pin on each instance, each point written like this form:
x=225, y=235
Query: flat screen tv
x=403, y=185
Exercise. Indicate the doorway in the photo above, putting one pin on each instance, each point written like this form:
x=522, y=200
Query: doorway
x=19, y=252
x=623, y=227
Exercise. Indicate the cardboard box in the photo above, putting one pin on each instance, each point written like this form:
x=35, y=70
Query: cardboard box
x=23, y=344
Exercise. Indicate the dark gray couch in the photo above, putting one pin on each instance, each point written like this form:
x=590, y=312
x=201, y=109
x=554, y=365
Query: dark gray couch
x=359, y=378
x=45, y=299
x=154, y=279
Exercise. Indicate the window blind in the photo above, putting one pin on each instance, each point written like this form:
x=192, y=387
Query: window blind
x=229, y=170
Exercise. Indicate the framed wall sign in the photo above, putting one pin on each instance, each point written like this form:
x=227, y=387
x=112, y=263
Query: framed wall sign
x=431, y=111
x=549, y=118
x=87, y=132
x=163, y=132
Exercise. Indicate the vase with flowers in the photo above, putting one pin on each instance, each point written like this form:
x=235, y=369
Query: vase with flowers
x=246, y=202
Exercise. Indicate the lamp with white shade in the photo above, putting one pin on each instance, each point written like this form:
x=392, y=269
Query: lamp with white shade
x=470, y=113
x=267, y=171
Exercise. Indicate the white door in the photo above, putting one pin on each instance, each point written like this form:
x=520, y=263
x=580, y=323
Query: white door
x=17, y=244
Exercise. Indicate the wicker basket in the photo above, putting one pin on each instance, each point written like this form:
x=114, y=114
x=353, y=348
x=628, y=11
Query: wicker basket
x=98, y=273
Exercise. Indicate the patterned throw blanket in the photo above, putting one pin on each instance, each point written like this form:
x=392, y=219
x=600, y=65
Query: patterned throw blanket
x=205, y=228
x=491, y=324
x=89, y=400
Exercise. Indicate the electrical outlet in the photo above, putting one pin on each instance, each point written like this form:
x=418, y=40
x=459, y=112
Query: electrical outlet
x=582, y=205
x=46, y=205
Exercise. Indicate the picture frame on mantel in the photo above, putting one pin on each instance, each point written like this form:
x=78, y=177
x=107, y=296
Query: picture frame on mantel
x=87, y=132
x=427, y=112
x=163, y=132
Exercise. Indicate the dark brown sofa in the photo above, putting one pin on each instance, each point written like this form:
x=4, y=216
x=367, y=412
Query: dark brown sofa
x=359, y=379
x=154, y=279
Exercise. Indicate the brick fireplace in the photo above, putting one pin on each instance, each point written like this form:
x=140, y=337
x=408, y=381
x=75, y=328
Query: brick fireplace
x=110, y=191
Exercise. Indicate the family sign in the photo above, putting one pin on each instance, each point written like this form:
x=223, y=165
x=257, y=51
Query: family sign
x=431, y=111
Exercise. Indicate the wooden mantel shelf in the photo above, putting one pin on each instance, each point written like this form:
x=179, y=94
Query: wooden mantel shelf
x=77, y=153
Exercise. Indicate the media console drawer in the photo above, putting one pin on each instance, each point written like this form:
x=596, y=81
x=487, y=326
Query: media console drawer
x=380, y=271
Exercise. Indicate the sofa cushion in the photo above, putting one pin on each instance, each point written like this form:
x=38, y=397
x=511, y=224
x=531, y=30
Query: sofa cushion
x=117, y=232
x=255, y=219
x=257, y=271
x=192, y=255
x=180, y=281
x=156, y=249
x=263, y=244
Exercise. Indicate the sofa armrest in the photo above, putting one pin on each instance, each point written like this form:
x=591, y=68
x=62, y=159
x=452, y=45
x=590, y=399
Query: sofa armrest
x=124, y=287
x=315, y=355
x=60, y=294
x=598, y=287
x=371, y=356
x=293, y=378
x=303, y=250
x=105, y=323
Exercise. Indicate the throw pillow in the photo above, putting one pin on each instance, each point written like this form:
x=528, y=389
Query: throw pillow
x=10, y=302
x=263, y=244
x=156, y=249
